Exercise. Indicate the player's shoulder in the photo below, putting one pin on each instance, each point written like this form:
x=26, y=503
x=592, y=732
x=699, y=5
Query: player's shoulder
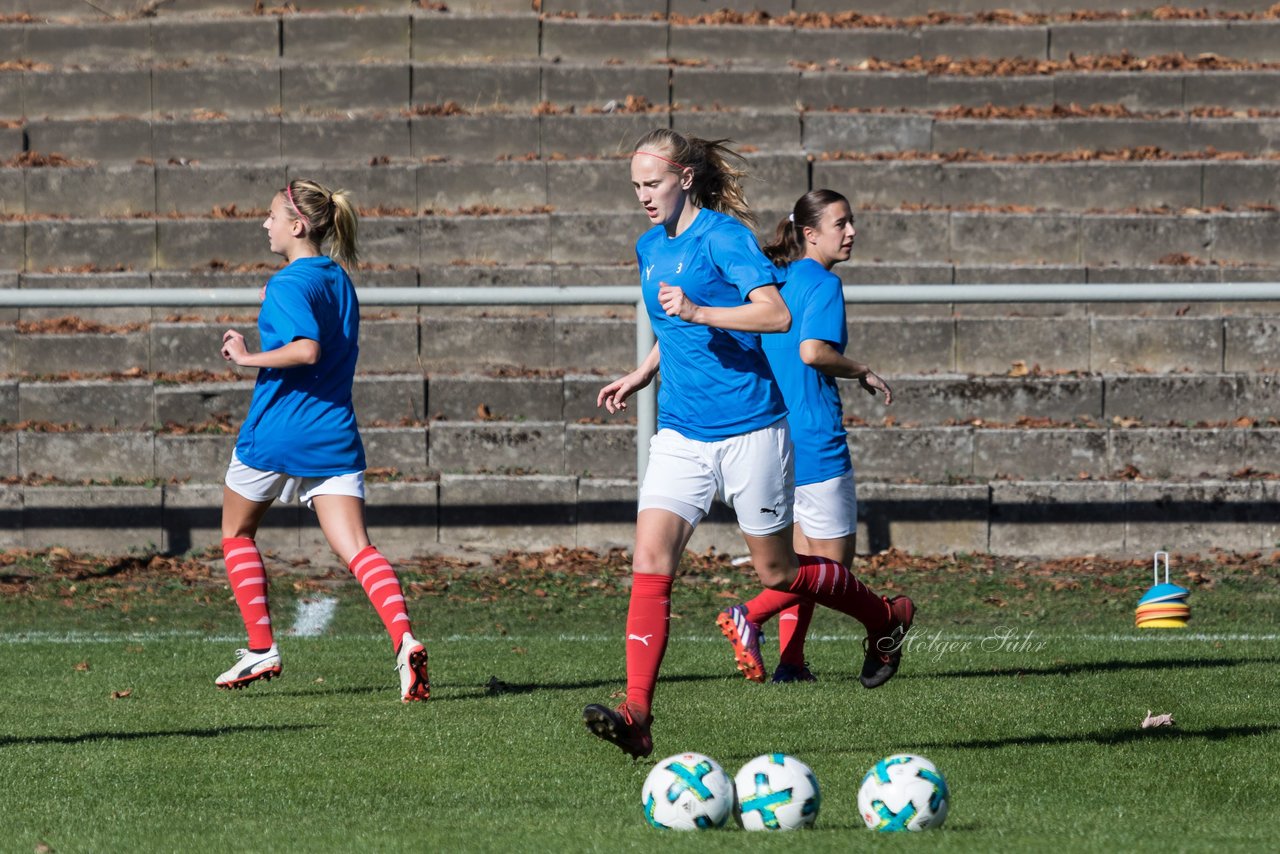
x=651, y=238
x=315, y=271
x=308, y=282
x=809, y=274
x=723, y=227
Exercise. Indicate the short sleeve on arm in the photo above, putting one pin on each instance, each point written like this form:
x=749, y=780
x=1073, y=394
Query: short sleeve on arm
x=735, y=253
x=824, y=316
x=292, y=315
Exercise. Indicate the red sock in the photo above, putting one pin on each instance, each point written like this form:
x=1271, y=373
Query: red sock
x=769, y=603
x=382, y=587
x=648, y=625
x=248, y=580
x=830, y=584
x=793, y=626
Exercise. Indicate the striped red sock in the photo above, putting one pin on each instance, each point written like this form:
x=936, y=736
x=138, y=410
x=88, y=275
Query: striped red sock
x=248, y=580
x=382, y=587
x=769, y=603
x=793, y=626
x=648, y=626
x=830, y=584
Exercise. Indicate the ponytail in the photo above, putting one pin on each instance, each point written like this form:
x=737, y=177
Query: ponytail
x=717, y=170
x=328, y=215
x=345, y=226
x=788, y=240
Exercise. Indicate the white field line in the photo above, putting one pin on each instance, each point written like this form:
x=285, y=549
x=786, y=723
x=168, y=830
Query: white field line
x=1171, y=636
x=313, y=617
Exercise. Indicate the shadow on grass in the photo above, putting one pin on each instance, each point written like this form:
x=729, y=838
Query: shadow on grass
x=1085, y=667
x=1109, y=738
x=494, y=687
x=83, y=738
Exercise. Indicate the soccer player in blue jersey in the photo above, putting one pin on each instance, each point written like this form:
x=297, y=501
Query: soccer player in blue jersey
x=806, y=361
x=722, y=427
x=299, y=438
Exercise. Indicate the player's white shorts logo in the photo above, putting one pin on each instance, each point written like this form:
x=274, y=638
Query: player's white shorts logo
x=644, y=640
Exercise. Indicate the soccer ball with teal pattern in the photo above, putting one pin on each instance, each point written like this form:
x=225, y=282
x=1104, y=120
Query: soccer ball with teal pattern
x=688, y=791
x=903, y=792
x=777, y=792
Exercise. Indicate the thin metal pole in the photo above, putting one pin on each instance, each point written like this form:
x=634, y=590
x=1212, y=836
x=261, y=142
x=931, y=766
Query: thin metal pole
x=622, y=295
x=647, y=398
x=1143, y=292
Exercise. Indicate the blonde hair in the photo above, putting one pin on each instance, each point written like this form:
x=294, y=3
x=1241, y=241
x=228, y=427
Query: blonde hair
x=717, y=181
x=328, y=215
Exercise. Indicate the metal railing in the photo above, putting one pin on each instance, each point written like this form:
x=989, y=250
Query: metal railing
x=646, y=400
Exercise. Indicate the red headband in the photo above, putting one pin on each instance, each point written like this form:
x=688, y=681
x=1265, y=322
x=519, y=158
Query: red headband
x=660, y=157
x=289, y=195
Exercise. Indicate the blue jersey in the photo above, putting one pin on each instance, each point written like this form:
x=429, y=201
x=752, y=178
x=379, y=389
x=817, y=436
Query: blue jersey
x=301, y=420
x=816, y=299
x=715, y=383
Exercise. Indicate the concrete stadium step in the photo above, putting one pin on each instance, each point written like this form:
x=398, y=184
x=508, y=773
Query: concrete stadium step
x=776, y=8
x=414, y=517
x=902, y=236
x=956, y=454
x=518, y=136
x=134, y=82
x=535, y=343
x=1087, y=183
x=126, y=9
x=896, y=8
x=870, y=132
x=526, y=35
x=583, y=185
x=1137, y=91
x=412, y=399
x=513, y=86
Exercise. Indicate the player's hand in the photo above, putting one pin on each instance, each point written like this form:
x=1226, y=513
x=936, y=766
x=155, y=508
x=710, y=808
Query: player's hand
x=872, y=384
x=613, y=397
x=233, y=349
x=675, y=303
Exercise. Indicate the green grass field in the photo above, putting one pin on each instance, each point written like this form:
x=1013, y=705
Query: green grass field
x=1026, y=685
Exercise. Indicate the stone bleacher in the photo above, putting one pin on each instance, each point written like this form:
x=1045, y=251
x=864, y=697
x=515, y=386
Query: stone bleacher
x=486, y=145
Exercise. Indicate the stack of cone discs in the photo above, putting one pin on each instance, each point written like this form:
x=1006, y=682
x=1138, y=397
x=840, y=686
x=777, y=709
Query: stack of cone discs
x=1164, y=606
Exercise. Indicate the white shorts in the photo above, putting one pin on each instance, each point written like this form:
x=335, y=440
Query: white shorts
x=257, y=485
x=753, y=473
x=828, y=510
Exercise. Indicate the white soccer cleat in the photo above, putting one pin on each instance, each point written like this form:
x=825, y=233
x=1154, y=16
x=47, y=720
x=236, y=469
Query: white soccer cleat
x=411, y=663
x=250, y=667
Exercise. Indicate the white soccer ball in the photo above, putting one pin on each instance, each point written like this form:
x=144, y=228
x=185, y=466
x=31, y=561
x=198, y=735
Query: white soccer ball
x=777, y=792
x=688, y=791
x=903, y=792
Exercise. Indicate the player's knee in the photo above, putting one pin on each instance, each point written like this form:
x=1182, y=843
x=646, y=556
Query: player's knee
x=775, y=576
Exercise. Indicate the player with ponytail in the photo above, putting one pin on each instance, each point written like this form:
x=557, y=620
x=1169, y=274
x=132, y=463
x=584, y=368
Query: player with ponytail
x=299, y=438
x=806, y=361
x=722, y=430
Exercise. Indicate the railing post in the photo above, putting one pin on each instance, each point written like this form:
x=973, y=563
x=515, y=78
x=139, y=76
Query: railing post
x=647, y=399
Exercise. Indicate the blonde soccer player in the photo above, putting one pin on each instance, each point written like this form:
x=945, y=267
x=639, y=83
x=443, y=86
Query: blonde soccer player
x=299, y=438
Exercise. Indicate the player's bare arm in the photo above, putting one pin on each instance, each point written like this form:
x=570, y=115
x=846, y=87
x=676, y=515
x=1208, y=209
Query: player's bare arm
x=821, y=356
x=764, y=310
x=300, y=351
x=613, y=397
